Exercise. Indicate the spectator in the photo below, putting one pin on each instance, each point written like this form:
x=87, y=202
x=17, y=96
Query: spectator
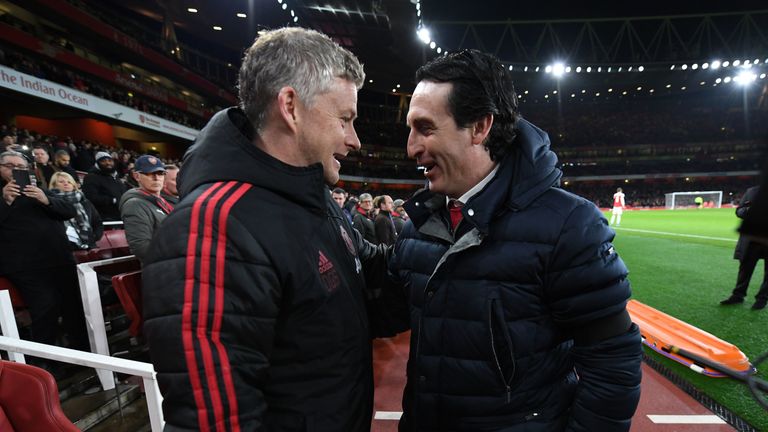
x=143, y=209
x=61, y=160
x=361, y=219
x=102, y=187
x=170, y=192
x=384, y=226
x=399, y=216
x=36, y=257
x=85, y=229
x=43, y=169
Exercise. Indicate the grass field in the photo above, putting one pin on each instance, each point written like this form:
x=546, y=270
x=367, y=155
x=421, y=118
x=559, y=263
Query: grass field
x=681, y=262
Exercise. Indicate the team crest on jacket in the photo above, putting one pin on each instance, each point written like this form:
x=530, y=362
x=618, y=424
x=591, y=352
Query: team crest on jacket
x=328, y=273
x=350, y=247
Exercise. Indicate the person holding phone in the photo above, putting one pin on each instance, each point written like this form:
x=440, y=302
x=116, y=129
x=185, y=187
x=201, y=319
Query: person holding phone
x=36, y=257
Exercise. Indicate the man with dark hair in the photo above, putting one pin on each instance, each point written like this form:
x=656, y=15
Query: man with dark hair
x=61, y=160
x=43, y=168
x=103, y=189
x=517, y=294
x=255, y=297
x=383, y=224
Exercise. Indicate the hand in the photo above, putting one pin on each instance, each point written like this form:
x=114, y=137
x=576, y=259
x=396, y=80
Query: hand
x=10, y=192
x=36, y=193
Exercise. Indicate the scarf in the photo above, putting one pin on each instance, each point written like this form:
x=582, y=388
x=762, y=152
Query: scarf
x=80, y=223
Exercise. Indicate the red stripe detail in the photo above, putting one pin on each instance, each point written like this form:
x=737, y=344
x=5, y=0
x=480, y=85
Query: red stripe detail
x=203, y=311
x=221, y=250
x=186, y=321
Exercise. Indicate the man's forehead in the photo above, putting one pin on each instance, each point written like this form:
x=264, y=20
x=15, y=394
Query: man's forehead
x=16, y=160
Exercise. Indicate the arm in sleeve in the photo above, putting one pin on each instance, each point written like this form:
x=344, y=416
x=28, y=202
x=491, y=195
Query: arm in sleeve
x=182, y=310
x=388, y=312
x=587, y=290
x=58, y=208
x=746, y=203
x=97, y=226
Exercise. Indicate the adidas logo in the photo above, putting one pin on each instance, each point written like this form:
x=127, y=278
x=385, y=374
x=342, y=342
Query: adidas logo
x=325, y=264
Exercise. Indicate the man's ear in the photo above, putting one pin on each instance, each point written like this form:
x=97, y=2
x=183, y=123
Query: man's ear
x=481, y=129
x=287, y=106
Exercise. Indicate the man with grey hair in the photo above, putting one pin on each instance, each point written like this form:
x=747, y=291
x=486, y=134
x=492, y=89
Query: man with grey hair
x=361, y=219
x=255, y=299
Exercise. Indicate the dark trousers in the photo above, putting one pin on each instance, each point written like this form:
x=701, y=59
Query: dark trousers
x=48, y=294
x=746, y=268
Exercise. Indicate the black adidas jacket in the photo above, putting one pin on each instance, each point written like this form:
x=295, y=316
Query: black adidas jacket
x=255, y=298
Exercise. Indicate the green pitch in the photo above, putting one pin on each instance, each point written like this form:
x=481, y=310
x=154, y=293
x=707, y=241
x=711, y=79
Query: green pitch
x=681, y=262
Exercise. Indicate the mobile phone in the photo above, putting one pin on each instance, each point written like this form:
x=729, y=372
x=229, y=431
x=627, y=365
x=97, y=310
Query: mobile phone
x=21, y=177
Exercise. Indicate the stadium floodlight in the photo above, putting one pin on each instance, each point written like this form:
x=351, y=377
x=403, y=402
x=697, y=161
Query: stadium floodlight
x=684, y=67
x=548, y=69
x=191, y=10
x=705, y=66
x=745, y=78
x=641, y=68
x=432, y=45
x=558, y=69
x=762, y=76
x=718, y=81
x=725, y=64
x=695, y=66
x=715, y=64
x=424, y=35
x=589, y=68
x=578, y=69
x=736, y=63
x=672, y=67
x=727, y=79
x=678, y=200
x=439, y=50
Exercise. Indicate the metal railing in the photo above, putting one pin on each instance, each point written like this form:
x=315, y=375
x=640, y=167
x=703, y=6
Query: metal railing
x=17, y=348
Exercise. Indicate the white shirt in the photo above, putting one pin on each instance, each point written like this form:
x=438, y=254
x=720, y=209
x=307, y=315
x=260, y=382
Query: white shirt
x=476, y=188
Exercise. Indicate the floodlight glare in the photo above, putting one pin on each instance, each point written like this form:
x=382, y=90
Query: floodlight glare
x=745, y=78
x=736, y=63
x=684, y=67
x=424, y=35
x=439, y=50
x=715, y=64
x=433, y=45
x=727, y=79
x=548, y=69
x=695, y=66
x=558, y=70
x=725, y=63
x=641, y=68
x=705, y=66
x=578, y=69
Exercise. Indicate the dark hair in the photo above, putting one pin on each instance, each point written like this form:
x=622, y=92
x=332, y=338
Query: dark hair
x=339, y=190
x=481, y=86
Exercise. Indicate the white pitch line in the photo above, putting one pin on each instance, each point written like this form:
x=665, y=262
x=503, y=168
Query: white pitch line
x=675, y=234
x=686, y=419
x=387, y=415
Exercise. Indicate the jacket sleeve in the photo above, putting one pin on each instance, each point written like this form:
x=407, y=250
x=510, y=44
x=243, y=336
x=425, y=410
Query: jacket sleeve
x=746, y=202
x=587, y=290
x=211, y=339
x=387, y=303
x=139, y=226
x=58, y=208
x=97, y=226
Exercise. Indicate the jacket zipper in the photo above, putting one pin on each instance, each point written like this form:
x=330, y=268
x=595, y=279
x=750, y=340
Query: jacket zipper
x=496, y=356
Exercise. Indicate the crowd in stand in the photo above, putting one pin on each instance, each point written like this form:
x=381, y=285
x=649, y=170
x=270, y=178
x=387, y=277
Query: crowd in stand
x=104, y=90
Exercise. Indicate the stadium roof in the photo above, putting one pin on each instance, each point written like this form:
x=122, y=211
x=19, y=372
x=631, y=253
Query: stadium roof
x=527, y=36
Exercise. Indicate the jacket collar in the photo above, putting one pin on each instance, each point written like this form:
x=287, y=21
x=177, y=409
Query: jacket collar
x=524, y=174
x=225, y=151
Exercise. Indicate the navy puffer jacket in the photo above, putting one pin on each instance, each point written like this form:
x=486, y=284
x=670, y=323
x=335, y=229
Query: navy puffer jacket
x=494, y=313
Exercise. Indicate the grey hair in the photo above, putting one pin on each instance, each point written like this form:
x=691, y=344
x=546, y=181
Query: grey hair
x=365, y=196
x=304, y=59
x=10, y=153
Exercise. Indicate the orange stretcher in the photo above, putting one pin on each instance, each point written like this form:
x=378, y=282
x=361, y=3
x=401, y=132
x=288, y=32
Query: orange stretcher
x=688, y=345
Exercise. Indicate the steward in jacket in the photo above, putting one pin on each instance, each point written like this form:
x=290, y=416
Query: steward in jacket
x=255, y=293
x=517, y=297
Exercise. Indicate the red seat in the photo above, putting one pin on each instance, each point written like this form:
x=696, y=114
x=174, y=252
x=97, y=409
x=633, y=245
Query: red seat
x=128, y=289
x=16, y=300
x=29, y=400
x=112, y=244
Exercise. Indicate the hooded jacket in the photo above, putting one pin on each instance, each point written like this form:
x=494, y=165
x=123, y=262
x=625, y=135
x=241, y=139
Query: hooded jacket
x=104, y=191
x=495, y=309
x=254, y=295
